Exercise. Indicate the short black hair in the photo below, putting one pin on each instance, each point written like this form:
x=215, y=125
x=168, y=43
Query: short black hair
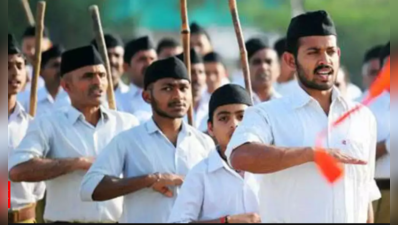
x=280, y=47
x=167, y=43
x=373, y=53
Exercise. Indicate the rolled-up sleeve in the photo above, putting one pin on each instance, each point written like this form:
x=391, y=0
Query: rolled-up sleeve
x=34, y=145
x=110, y=162
x=189, y=203
x=254, y=128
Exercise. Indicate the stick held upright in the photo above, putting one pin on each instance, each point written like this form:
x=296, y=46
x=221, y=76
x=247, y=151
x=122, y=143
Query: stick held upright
x=99, y=37
x=41, y=9
x=186, y=39
x=242, y=47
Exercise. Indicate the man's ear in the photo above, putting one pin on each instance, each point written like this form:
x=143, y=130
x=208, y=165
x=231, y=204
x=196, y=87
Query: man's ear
x=146, y=95
x=210, y=129
x=65, y=84
x=289, y=60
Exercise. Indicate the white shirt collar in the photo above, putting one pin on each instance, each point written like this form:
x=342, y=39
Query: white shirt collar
x=123, y=88
x=302, y=98
x=151, y=127
x=19, y=112
x=74, y=115
x=135, y=90
x=216, y=162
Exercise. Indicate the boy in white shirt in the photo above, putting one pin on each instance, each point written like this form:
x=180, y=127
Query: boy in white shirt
x=212, y=191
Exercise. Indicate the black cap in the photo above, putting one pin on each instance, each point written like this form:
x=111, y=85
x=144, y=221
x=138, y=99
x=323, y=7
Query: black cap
x=111, y=41
x=12, y=45
x=167, y=68
x=196, y=58
x=385, y=53
x=31, y=32
x=54, y=52
x=167, y=43
x=227, y=95
x=254, y=45
x=213, y=57
x=317, y=23
x=137, y=45
x=280, y=47
x=373, y=53
x=79, y=58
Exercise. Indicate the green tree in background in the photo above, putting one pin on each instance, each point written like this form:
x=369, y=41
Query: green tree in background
x=360, y=23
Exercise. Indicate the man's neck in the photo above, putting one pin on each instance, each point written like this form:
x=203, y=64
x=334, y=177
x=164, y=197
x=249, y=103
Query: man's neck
x=285, y=79
x=92, y=114
x=221, y=151
x=324, y=98
x=169, y=127
x=12, y=104
x=53, y=90
x=265, y=93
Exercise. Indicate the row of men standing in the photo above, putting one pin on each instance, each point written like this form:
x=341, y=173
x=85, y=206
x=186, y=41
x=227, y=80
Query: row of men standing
x=59, y=148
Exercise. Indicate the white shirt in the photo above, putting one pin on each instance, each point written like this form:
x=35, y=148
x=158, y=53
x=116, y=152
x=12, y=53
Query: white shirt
x=212, y=190
x=121, y=89
x=47, y=104
x=257, y=100
x=353, y=91
x=201, y=115
x=287, y=88
x=25, y=94
x=301, y=194
x=22, y=194
x=381, y=109
x=141, y=151
x=66, y=134
x=133, y=103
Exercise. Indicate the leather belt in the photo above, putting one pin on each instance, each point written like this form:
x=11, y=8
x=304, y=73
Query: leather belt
x=24, y=214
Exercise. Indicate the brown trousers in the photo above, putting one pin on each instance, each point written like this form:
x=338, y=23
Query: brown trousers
x=382, y=208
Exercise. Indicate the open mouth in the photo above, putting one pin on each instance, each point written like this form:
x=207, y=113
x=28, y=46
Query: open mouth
x=324, y=73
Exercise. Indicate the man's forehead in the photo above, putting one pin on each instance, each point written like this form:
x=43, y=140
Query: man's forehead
x=265, y=53
x=231, y=108
x=146, y=53
x=117, y=49
x=15, y=58
x=172, y=81
x=90, y=69
x=319, y=41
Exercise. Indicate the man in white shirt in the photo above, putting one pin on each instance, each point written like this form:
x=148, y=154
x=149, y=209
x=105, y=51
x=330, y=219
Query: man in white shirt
x=381, y=109
x=61, y=147
x=52, y=96
x=24, y=196
x=200, y=99
x=264, y=70
x=371, y=65
x=154, y=157
x=216, y=77
x=115, y=48
x=29, y=50
x=139, y=54
x=274, y=138
x=212, y=191
x=287, y=78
